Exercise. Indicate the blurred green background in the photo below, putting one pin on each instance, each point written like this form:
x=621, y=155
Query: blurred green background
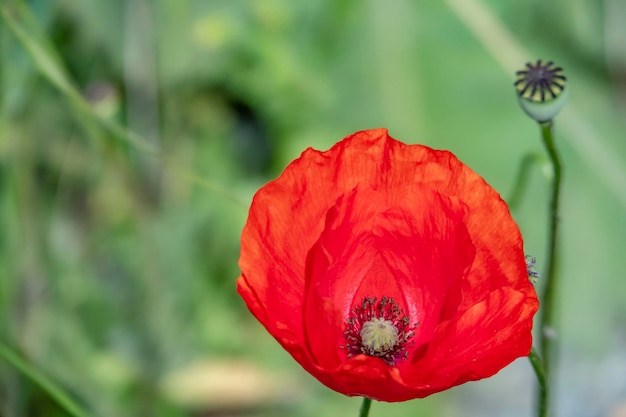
x=134, y=133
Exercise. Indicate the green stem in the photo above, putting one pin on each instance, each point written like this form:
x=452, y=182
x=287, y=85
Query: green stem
x=521, y=180
x=34, y=375
x=365, y=407
x=549, y=291
x=543, y=397
x=547, y=319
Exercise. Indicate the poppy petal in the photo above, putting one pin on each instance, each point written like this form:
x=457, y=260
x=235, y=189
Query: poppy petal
x=372, y=218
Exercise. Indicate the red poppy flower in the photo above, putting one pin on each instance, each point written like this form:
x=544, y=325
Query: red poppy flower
x=387, y=270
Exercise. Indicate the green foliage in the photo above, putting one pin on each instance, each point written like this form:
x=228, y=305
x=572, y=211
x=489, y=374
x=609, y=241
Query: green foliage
x=134, y=133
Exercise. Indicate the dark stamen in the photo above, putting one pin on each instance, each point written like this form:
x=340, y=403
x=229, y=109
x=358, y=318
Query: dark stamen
x=379, y=329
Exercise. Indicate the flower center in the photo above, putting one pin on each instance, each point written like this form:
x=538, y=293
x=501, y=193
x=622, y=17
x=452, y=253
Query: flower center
x=378, y=336
x=379, y=329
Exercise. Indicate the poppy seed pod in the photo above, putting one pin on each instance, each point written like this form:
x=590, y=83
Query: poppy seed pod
x=387, y=270
x=541, y=91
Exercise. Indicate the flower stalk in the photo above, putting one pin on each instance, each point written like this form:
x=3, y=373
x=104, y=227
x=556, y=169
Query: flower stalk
x=543, y=392
x=365, y=407
x=542, y=363
x=542, y=94
x=547, y=312
x=529, y=161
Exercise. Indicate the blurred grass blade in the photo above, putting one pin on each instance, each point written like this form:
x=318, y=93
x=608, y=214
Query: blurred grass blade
x=491, y=33
x=39, y=379
x=16, y=15
x=12, y=14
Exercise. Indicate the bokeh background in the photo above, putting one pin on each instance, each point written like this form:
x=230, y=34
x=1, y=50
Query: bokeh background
x=134, y=133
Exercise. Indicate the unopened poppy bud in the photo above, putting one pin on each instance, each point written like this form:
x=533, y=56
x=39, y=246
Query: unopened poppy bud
x=541, y=90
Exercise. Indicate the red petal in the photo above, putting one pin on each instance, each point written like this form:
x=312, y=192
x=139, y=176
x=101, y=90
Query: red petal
x=374, y=215
x=287, y=217
x=480, y=342
x=414, y=249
